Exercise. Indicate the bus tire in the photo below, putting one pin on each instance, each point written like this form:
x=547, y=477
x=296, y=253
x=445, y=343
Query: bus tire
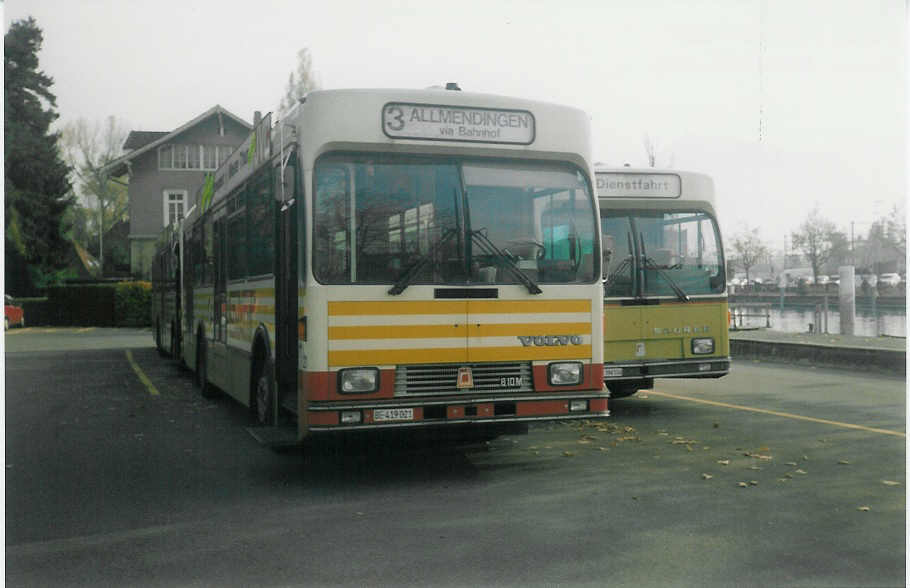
x=263, y=395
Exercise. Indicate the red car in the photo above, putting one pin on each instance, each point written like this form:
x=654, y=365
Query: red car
x=15, y=316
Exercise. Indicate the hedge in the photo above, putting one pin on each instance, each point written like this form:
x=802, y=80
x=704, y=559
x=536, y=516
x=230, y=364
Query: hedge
x=120, y=304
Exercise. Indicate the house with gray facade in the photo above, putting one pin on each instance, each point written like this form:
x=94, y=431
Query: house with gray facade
x=164, y=170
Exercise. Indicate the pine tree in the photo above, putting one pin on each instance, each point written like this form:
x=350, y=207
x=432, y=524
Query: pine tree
x=37, y=189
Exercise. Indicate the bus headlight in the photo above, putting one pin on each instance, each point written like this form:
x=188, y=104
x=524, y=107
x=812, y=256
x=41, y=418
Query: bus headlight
x=564, y=373
x=358, y=380
x=703, y=346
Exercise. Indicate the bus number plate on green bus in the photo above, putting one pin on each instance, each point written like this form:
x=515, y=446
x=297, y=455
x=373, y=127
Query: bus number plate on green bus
x=393, y=414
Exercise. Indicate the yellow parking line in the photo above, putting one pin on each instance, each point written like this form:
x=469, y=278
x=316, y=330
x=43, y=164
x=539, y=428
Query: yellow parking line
x=142, y=377
x=780, y=414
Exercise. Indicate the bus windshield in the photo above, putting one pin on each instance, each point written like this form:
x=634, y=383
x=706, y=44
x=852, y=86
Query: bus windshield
x=660, y=253
x=418, y=220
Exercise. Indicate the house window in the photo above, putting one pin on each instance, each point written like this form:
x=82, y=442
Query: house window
x=166, y=157
x=208, y=158
x=193, y=157
x=174, y=205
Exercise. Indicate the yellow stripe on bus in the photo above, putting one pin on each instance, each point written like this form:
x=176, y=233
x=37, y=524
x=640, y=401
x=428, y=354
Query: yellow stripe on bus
x=455, y=355
x=367, y=308
x=459, y=330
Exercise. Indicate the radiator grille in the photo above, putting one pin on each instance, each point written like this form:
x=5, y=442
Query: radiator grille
x=440, y=379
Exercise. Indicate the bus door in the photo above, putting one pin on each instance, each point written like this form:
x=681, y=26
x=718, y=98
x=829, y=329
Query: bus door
x=217, y=356
x=622, y=306
x=286, y=294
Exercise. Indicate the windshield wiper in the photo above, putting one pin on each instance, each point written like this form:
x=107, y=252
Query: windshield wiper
x=623, y=266
x=489, y=248
x=680, y=293
x=405, y=280
x=650, y=265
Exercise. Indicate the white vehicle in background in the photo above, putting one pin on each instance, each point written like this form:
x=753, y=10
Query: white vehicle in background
x=823, y=280
x=890, y=279
x=869, y=279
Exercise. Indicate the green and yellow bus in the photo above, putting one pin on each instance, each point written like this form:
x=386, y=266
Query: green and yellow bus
x=384, y=259
x=665, y=298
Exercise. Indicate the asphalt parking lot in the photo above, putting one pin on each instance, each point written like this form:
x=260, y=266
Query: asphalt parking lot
x=775, y=475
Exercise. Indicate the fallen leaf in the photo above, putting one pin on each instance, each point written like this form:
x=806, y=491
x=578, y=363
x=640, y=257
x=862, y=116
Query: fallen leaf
x=753, y=482
x=706, y=476
x=802, y=472
x=890, y=483
x=584, y=441
x=743, y=485
x=864, y=509
x=604, y=448
x=842, y=462
x=755, y=467
x=791, y=463
x=723, y=461
x=568, y=453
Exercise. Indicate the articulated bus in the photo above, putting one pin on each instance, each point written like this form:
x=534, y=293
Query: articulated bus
x=665, y=298
x=384, y=259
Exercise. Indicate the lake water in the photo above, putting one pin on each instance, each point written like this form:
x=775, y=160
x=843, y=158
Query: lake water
x=865, y=324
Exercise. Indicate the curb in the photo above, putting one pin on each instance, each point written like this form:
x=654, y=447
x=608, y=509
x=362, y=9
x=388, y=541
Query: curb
x=888, y=361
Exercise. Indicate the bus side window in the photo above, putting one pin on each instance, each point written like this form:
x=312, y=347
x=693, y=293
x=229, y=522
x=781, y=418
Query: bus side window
x=208, y=250
x=261, y=223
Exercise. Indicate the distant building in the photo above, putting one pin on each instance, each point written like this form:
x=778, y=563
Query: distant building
x=165, y=169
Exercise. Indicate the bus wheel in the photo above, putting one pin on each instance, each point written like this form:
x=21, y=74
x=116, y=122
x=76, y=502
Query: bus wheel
x=263, y=393
x=621, y=390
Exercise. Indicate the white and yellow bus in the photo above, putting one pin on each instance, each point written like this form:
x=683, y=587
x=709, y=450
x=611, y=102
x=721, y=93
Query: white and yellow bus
x=665, y=298
x=398, y=258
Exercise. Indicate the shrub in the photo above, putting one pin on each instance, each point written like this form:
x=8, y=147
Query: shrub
x=133, y=304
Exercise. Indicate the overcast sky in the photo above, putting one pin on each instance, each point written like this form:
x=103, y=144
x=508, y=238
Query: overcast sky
x=786, y=103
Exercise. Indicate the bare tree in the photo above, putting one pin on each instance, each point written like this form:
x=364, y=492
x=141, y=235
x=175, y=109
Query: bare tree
x=88, y=147
x=749, y=248
x=652, y=152
x=299, y=85
x=819, y=240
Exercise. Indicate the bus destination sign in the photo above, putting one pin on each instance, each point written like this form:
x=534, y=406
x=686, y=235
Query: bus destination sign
x=627, y=185
x=457, y=123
